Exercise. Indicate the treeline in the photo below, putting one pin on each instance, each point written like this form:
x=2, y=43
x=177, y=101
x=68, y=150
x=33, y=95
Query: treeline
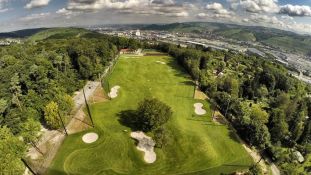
x=268, y=107
x=37, y=80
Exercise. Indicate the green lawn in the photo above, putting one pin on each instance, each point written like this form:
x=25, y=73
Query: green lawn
x=197, y=146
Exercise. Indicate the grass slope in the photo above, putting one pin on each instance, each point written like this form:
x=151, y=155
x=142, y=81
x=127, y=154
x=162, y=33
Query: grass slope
x=238, y=34
x=57, y=33
x=301, y=45
x=198, y=146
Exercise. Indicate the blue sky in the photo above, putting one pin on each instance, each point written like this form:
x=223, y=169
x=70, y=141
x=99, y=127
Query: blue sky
x=294, y=15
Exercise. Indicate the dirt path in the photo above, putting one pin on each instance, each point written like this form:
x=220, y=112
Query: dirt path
x=51, y=140
x=78, y=122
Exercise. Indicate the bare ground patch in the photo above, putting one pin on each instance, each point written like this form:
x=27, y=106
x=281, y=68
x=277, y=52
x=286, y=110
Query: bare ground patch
x=199, y=95
x=99, y=96
x=219, y=118
x=78, y=123
x=42, y=154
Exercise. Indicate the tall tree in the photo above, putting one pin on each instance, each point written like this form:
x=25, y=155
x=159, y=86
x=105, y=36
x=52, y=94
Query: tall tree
x=51, y=115
x=258, y=134
x=16, y=90
x=278, y=126
x=152, y=114
x=11, y=152
x=30, y=130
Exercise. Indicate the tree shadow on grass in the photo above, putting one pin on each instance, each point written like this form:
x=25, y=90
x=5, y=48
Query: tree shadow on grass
x=128, y=118
x=179, y=70
x=190, y=83
x=241, y=166
x=233, y=136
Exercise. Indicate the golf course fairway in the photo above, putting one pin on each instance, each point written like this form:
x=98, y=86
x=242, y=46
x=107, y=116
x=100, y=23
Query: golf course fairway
x=197, y=145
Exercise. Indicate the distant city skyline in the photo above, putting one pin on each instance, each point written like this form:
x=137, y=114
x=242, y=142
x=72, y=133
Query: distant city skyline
x=283, y=14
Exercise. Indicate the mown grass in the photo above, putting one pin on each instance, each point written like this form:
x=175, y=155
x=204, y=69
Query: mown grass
x=197, y=145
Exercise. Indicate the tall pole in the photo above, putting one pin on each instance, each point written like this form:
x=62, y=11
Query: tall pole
x=227, y=108
x=108, y=89
x=35, y=146
x=88, y=108
x=62, y=123
x=25, y=163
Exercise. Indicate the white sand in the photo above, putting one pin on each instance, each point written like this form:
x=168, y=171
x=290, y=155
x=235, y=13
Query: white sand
x=145, y=144
x=90, y=137
x=114, y=92
x=161, y=62
x=198, y=109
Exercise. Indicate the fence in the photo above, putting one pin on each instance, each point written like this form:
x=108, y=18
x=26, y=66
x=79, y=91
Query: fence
x=51, y=141
x=105, y=77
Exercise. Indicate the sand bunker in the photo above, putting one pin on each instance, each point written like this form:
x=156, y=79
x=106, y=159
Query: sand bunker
x=90, y=137
x=114, y=92
x=145, y=144
x=198, y=109
x=161, y=62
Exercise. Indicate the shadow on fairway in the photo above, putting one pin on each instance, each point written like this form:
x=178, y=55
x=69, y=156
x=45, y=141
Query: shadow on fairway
x=241, y=166
x=233, y=136
x=179, y=70
x=128, y=118
x=190, y=83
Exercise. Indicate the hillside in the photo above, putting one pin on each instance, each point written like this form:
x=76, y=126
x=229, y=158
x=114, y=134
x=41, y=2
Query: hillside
x=58, y=33
x=286, y=40
x=21, y=33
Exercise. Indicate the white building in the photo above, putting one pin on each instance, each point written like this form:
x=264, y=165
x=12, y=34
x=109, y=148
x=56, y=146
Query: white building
x=137, y=33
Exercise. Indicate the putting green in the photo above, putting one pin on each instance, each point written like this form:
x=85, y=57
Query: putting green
x=197, y=146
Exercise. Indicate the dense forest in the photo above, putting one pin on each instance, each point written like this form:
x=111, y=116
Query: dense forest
x=37, y=80
x=266, y=105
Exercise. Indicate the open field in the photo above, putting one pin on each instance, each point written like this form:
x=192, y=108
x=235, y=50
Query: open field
x=197, y=146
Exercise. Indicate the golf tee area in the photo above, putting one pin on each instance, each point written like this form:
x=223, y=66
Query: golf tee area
x=197, y=145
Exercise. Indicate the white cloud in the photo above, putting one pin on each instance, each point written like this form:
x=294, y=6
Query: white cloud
x=255, y=6
x=166, y=2
x=246, y=20
x=35, y=16
x=178, y=14
x=202, y=15
x=267, y=20
x=3, y=7
x=215, y=16
x=296, y=10
x=214, y=6
x=218, y=9
x=306, y=28
x=67, y=13
x=4, y=10
x=145, y=7
x=286, y=17
x=102, y=4
x=37, y=3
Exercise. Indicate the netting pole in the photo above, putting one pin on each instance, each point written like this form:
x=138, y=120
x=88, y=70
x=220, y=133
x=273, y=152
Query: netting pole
x=88, y=109
x=62, y=123
x=25, y=163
